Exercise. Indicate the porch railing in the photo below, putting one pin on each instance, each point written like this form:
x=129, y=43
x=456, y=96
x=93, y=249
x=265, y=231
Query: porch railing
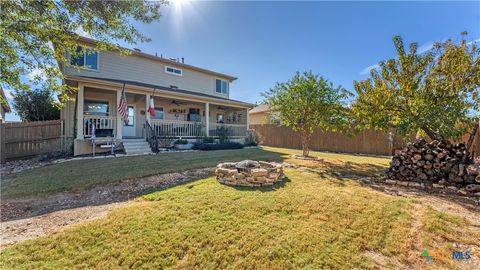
x=190, y=129
x=100, y=122
x=151, y=137
x=233, y=130
x=174, y=128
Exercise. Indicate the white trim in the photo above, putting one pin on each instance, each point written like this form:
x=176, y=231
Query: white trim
x=228, y=87
x=173, y=73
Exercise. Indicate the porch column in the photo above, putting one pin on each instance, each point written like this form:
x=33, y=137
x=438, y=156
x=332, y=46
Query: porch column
x=119, y=117
x=147, y=106
x=80, y=100
x=207, y=119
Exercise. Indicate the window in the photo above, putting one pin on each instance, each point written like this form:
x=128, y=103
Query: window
x=92, y=107
x=131, y=116
x=89, y=59
x=173, y=71
x=193, y=115
x=158, y=113
x=220, y=118
x=221, y=86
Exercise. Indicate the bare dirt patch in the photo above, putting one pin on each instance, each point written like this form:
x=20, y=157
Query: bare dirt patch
x=23, y=219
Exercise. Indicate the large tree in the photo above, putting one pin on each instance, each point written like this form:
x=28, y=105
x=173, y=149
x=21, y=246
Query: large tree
x=36, y=105
x=307, y=102
x=435, y=92
x=37, y=35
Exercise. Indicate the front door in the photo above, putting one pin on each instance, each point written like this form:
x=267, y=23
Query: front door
x=129, y=128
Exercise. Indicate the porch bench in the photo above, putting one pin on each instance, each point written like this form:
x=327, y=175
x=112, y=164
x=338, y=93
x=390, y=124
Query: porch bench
x=103, y=137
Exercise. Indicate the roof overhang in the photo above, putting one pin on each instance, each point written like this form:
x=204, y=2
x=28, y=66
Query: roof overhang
x=143, y=88
x=5, y=105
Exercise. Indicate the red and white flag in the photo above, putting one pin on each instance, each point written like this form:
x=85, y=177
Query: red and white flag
x=122, y=106
x=151, y=109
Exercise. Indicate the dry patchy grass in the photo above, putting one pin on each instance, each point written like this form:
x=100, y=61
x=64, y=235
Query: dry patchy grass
x=310, y=221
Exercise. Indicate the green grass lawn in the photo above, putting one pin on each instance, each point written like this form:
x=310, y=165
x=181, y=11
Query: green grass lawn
x=310, y=221
x=80, y=174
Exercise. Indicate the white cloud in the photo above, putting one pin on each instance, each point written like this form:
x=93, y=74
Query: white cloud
x=82, y=32
x=475, y=41
x=366, y=70
x=8, y=93
x=425, y=47
x=35, y=73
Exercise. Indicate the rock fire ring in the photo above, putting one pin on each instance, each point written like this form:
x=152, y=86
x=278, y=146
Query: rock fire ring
x=249, y=173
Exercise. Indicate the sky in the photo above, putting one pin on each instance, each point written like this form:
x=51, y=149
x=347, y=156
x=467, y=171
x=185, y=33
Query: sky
x=262, y=43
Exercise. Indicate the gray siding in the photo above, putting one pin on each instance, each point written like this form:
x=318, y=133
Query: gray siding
x=112, y=65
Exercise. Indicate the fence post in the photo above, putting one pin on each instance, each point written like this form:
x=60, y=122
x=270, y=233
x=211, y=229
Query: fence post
x=2, y=143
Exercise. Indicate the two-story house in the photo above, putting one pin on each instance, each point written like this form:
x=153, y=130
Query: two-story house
x=189, y=102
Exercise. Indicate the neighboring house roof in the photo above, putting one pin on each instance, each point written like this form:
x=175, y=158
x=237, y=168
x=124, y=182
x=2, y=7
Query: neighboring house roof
x=259, y=109
x=167, y=61
x=158, y=87
x=5, y=105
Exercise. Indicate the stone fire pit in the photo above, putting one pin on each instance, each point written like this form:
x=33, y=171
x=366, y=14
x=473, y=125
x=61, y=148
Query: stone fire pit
x=249, y=173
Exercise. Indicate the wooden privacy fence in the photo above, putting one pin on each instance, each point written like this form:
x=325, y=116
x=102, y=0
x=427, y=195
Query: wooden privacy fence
x=372, y=142
x=18, y=140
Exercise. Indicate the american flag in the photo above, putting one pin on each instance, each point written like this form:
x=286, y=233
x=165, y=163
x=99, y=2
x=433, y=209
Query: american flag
x=122, y=106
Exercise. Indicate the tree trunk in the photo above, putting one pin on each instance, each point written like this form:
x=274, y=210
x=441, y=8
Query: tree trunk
x=305, y=142
x=432, y=134
x=470, y=141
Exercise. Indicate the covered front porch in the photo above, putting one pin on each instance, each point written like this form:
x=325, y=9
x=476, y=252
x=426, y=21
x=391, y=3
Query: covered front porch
x=175, y=117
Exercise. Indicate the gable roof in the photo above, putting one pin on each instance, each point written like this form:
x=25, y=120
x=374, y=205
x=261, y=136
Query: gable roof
x=5, y=105
x=165, y=60
x=259, y=109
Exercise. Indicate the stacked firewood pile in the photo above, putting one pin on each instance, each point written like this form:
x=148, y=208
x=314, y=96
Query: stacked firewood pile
x=438, y=162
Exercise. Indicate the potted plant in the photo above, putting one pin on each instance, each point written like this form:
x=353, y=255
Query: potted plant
x=181, y=144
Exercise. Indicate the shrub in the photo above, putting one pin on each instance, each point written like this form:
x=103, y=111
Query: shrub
x=223, y=133
x=217, y=146
x=180, y=141
x=208, y=140
x=251, y=139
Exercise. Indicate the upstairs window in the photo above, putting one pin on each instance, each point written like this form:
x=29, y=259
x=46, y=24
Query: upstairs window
x=88, y=60
x=173, y=71
x=221, y=86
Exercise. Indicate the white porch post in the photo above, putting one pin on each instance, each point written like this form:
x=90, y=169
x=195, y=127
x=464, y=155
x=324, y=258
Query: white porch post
x=207, y=119
x=80, y=100
x=147, y=106
x=119, y=117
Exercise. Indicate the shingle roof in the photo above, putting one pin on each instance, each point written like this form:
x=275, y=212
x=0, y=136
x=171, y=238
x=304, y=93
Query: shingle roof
x=159, y=87
x=259, y=109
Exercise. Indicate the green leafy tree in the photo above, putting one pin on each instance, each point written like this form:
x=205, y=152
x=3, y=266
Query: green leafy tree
x=435, y=93
x=37, y=36
x=307, y=102
x=36, y=105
